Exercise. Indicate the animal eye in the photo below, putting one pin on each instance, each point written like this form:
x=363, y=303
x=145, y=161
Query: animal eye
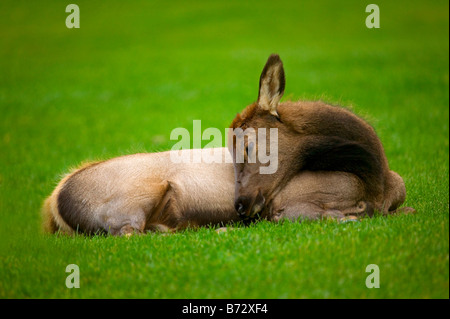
x=249, y=148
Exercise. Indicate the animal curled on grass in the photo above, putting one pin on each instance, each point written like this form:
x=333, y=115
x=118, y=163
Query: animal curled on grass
x=313, y=137
x=331, y=164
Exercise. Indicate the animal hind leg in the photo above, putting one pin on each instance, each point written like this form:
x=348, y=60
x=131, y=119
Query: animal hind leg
x=127, y=224
x=308, y=210
x=349, y=208
x=403, y=210
x=159, y=228
x=143, y=206
x=302, y=211
x=395, y=196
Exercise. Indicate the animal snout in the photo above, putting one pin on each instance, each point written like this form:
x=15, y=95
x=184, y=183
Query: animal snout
x=240, y=206
x=248, y=207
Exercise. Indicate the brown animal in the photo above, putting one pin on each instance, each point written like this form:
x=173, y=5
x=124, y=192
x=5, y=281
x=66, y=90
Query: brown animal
x=314, y=137
x=148, y=192
x=140, y=192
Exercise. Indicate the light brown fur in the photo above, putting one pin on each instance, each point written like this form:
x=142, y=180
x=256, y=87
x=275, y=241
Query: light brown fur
x=141, y=192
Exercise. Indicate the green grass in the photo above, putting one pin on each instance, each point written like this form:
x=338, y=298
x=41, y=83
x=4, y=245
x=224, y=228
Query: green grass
x=133, y=72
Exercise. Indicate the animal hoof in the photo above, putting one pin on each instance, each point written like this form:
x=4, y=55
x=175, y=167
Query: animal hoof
x=222, y=230
x=127, y=231
x=347, y=219
x=406, y=210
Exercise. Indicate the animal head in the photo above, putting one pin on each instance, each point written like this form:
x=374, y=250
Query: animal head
x=253, y=141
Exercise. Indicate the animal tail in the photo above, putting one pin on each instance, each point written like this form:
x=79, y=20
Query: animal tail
x=48, y=221
x=52, y=221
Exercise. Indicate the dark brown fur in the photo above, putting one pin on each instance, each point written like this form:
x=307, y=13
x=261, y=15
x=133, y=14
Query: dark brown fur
x=314, y=136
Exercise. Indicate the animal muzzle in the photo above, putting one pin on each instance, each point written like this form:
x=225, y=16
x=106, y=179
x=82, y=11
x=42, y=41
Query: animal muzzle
x=249, y=207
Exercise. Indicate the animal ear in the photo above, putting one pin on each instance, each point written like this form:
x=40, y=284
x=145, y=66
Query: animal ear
x=271, y=84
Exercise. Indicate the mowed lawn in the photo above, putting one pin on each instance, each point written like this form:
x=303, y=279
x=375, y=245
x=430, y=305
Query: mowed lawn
x=135, y=71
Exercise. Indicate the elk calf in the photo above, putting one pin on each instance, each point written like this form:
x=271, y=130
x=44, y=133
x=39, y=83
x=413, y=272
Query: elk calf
x=147, y=192
x=315, y=137
x=330, y=164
